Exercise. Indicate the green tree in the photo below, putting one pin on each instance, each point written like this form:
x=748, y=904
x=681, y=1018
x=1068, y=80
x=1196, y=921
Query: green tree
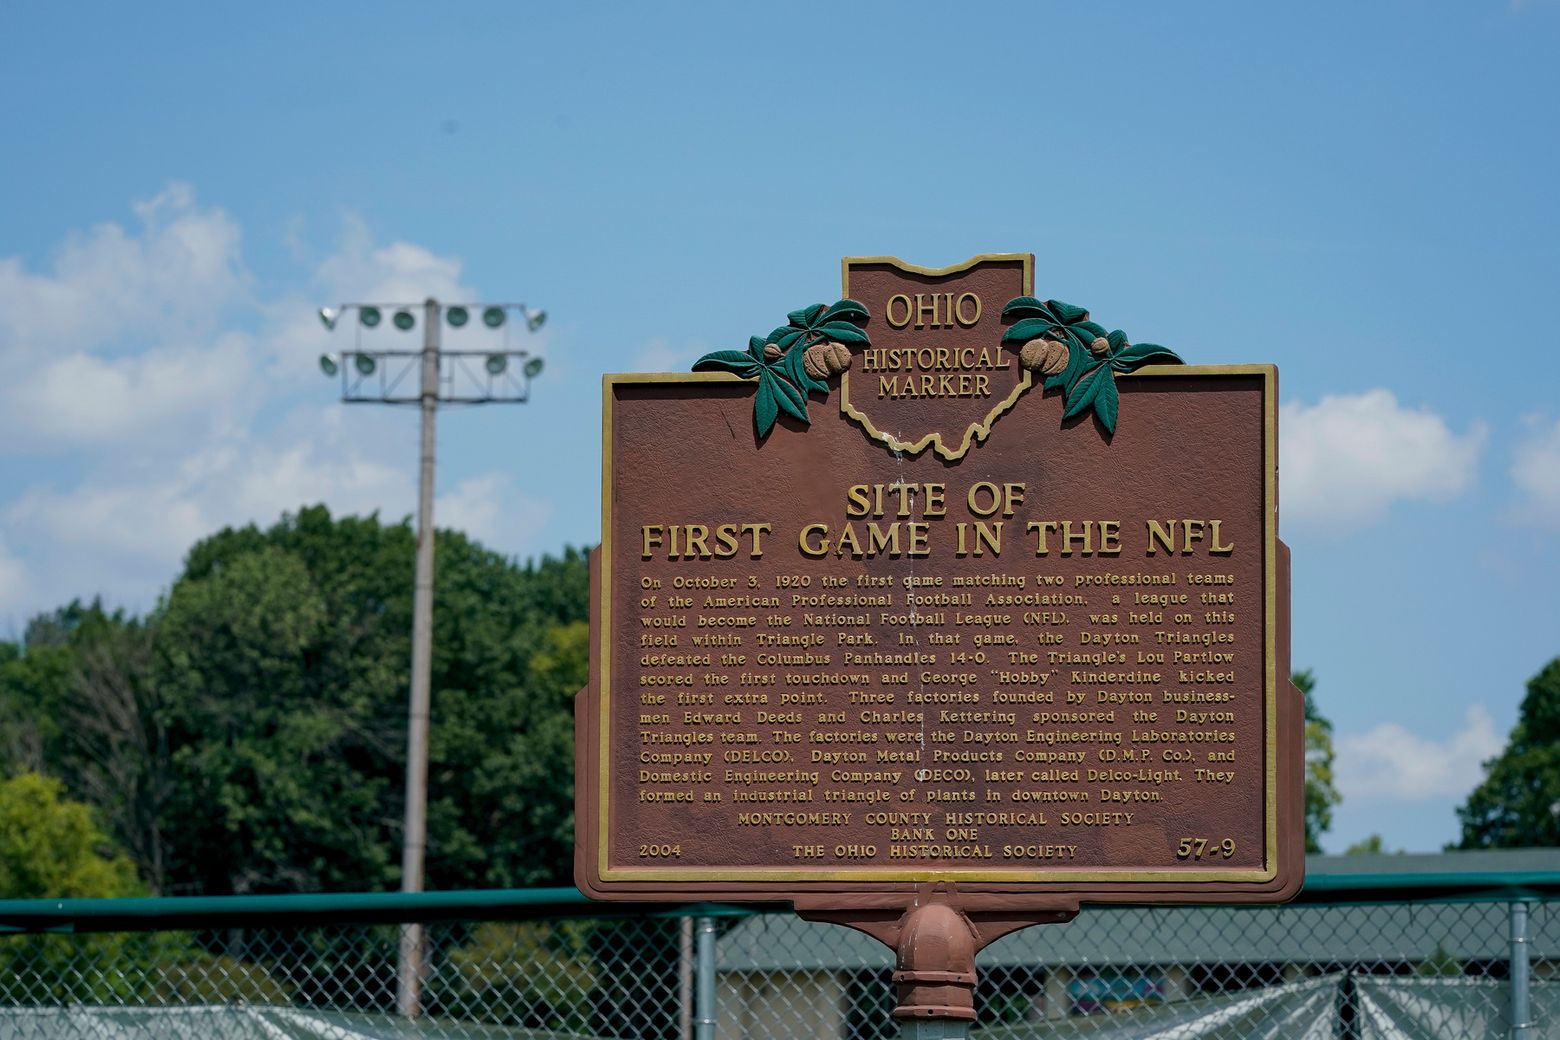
x=115, y=755
x=202, y=978
x=1440, y=964
x=31, y=681
x=50, y=848
x=249, y=735
x=35, y=678
x=1518, y=803
x=269, y=792
x=281, y=664
x=1369, y=846
x=1320, y=793
x=77, y=704
x=536, y=974
x=510, y=821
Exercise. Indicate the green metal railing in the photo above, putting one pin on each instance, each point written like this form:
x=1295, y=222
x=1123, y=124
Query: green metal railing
x=1356, y=955
x=184, y=912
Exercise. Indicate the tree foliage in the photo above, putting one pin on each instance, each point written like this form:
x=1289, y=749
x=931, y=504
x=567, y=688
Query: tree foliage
x=1320, y=792
x=534, y=974
x=1370, y=845
x=249, y=734
x=1518, y=803
x=35, y=681
x=51, y=848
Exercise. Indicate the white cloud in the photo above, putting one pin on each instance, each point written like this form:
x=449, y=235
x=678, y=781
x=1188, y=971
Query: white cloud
x=1346, y=459
x=491, y=509
x=82, y=399
x=147, y=520
x=283, y=478
x=118, y=358
x=179, y=271
x=358, y=271
x=125, y=533
x=118, y=342
x=361, y=272
x=13, y=577
x=1535, y=470
x=1391, y=763
x=661, y=355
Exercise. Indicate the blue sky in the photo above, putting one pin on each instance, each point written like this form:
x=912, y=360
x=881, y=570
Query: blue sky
x=1363, y=195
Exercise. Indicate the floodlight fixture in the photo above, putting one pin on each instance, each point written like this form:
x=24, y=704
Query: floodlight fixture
x=365, y=363
x=493, y=317
x=328, y=316
x=495, y=364
x=457, y=316
x=368, y=316
x=533, y=319
x=403, y=320
x=533, y=368
x=328, y=364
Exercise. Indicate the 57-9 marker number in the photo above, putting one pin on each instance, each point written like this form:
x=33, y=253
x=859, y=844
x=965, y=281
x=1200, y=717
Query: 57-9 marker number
x=1198, y=848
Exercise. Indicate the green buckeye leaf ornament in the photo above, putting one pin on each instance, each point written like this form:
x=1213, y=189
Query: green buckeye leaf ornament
x=783, y=380
x=1088, y=382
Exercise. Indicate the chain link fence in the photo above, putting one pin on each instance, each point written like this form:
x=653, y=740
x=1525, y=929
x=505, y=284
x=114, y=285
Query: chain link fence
x=1439, y=963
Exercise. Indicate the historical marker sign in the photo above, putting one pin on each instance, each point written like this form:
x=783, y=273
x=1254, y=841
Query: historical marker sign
x=943, y=584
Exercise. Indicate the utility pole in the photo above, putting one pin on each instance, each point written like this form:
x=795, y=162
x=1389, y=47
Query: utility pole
x=444, y=377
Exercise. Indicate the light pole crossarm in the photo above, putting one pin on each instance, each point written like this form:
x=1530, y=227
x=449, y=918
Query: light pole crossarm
x=464, y=376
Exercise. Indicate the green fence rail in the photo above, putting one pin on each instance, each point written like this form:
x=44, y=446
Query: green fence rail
x=185, y=912
x=1386, y=948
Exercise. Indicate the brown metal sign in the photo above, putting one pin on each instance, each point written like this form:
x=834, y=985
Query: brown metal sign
x=1045, y=662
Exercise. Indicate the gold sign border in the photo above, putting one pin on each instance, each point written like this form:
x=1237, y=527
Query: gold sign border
x=976, y=431
x=606, y=873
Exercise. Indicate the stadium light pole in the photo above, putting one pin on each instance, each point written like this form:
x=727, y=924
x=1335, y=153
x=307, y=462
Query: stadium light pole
x=444, y=377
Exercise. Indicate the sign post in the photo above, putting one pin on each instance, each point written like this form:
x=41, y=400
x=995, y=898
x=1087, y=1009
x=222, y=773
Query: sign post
x=939, y=612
